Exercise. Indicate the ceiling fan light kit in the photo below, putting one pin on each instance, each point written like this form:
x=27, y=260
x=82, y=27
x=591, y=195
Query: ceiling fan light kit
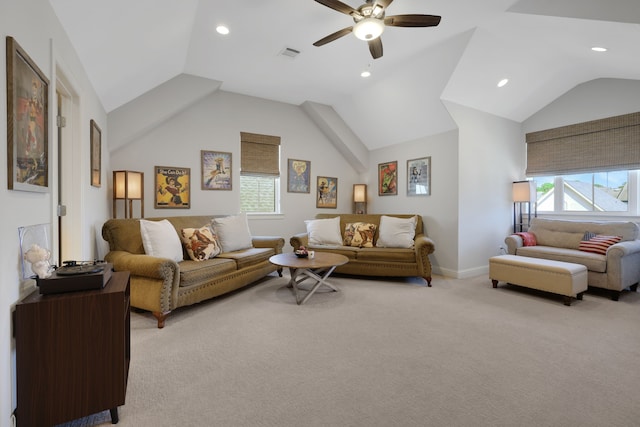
x=370, y=22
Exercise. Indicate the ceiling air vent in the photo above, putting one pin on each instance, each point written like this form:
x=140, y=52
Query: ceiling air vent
x=291, y=53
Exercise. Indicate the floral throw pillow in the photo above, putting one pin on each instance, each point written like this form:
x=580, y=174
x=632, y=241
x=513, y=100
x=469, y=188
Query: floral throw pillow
x=359, y=234
x=200, y=243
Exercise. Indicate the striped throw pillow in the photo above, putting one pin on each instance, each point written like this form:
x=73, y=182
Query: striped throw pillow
x=599, y=244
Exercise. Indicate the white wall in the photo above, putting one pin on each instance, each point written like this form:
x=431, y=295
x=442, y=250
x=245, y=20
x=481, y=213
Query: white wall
x=438, y=210
x=215, y=123
x=35, y=27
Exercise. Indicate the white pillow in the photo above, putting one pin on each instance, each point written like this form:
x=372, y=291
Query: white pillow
x=233, y=232
x=324, y=231
x=396, y=232
x=160, y=239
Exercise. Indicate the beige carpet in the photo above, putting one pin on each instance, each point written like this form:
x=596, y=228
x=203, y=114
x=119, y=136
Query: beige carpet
x=387, y=353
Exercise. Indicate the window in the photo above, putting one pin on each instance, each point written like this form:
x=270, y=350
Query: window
x=587, y=192
x=259, y=173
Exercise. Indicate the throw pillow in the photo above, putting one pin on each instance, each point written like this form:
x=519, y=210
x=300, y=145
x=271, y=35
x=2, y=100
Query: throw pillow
x=324, y=231
x=396, y=232
x=528, y=239
x=588, y=235
x=160, y=239
x=233, y=232
x=359, y=234
x=599, y=244
x=200, y=243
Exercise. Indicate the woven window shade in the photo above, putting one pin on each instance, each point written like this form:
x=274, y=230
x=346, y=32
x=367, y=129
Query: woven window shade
x=259, y=154
x=599, y=145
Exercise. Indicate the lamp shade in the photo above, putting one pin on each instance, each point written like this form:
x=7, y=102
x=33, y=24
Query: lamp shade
x=368, y=29
x=127, y=185
x=359, y=193
x=524, y=191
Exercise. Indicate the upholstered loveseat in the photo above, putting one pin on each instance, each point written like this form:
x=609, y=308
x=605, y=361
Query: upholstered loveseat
x=616, y=269
x=160, y=284
x=374, y=260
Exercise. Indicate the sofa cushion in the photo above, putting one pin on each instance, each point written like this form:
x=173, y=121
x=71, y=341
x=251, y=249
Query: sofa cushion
x=359, y=234
x=324, y=231
x=232, y=232
x=593, y=262
x=161, y=240
x=247, y=257
x=196, y=273
x=396, y=232
x=200, y=243
x=387, y=254
x=599, y=244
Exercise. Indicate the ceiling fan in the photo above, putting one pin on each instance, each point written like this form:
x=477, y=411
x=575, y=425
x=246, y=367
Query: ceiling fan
x=370, y=21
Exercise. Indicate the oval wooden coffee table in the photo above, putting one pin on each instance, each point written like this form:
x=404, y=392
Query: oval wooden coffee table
x=317, y=268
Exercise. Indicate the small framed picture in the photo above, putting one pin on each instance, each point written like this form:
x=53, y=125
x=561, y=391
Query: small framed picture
x=173, y=187
x=327, y=192
x=96, y=154
x=419, y=177
x=388, y=179
x=216, y=170
x=298, y=176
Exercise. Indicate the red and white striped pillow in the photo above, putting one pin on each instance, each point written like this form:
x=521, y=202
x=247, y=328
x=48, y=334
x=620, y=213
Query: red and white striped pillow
x=599, y=244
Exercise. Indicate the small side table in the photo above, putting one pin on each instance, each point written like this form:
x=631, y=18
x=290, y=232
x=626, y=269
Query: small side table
x=318, y=268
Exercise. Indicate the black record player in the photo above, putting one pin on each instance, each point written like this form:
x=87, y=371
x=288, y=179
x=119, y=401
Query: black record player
x=76, y=276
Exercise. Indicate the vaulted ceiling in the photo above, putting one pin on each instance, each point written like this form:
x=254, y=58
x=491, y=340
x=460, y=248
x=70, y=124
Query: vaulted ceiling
x=542, y=46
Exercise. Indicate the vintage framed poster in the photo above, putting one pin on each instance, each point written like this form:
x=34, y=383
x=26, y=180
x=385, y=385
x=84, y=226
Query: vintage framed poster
x=327, y=192
x=27, y=122
x=419, y=177
x=298, y=176
x=388, y=179
x=216, y=170
x=172, y=187
x=96, y=154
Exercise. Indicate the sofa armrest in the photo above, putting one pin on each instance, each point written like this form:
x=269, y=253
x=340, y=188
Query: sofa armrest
x=513, y=242
x=275, y=242
x=623, y=264
x=297, y=240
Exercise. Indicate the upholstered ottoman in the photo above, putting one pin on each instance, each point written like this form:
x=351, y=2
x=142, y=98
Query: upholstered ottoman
x=563, y=278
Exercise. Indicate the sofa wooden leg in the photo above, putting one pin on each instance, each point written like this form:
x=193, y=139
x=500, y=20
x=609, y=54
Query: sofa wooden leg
x=495, y=283
x=280, y=271
x=567, y=300
x=428, y=279
x=161, y=318
x=634, y=288
x=615, y=295
x=579, y=296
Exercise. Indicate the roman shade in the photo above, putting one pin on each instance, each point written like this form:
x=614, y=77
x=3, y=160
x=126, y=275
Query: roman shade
x=259, y=154
x=599, y=145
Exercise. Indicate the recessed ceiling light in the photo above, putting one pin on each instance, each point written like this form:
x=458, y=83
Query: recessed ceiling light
x=503, y=82
x=221, y=29
x=599, y=49
x=365, y=73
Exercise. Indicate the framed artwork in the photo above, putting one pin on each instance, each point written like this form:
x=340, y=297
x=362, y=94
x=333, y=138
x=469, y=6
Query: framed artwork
x=419, y=177
x=27, y=122
x=298, y=176
x=173, y=187
x=327, y=192
x=388, y=179
x=96, y=154
x=216, y=170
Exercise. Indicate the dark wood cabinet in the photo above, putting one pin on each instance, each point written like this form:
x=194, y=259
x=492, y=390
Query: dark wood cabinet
x=72, y=353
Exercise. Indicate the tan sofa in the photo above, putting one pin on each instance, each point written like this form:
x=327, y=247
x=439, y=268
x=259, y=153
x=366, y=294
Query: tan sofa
x=375, y=261
x=161, y=285
x=559, y=240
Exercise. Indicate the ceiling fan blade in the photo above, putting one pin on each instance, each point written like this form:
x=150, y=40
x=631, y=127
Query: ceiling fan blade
x=334, y=36
x=412, y=20
x=384, y=3
x=339, y=6
x=375, y=47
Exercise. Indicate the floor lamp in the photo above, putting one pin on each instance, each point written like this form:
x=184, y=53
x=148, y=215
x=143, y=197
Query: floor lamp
x=128, y=186
x=360, y=198
x=524, y=194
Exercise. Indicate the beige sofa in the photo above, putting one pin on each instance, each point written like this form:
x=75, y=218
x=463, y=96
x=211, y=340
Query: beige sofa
x=161, y=285
x=559, y=240
x=377, y=261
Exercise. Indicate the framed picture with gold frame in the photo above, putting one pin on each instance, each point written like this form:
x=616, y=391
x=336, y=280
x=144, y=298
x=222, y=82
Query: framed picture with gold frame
x=27, y=122
x=96, y=154
x=327, y=192
x=388, y=178
x=173, y=187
